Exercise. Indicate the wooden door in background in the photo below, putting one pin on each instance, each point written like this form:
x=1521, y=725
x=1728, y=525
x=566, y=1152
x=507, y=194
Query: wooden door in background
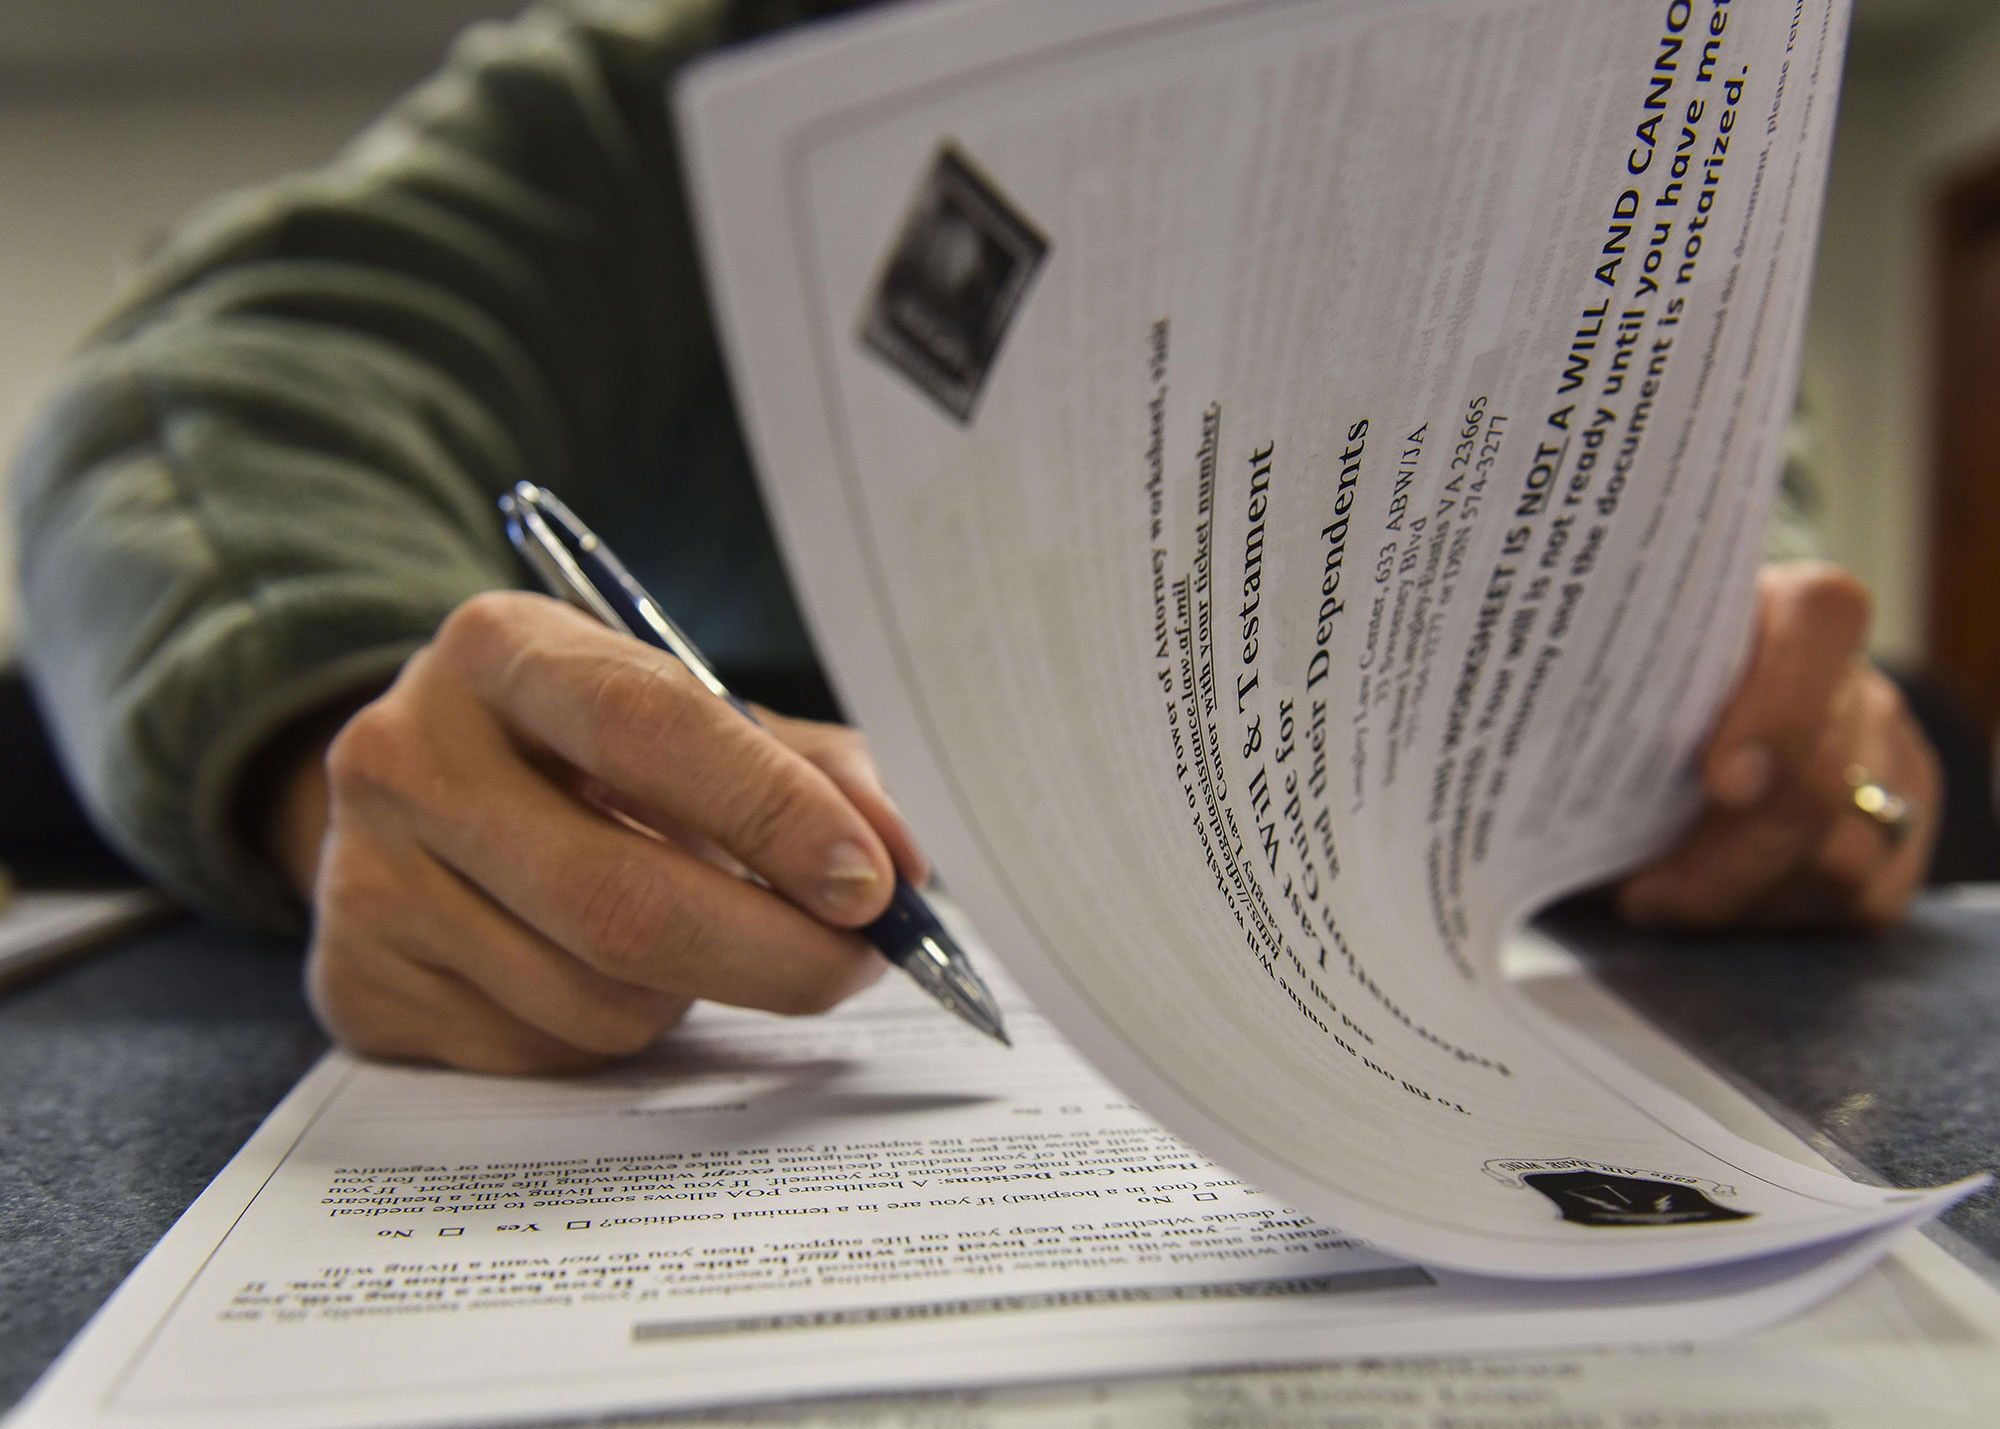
x=1963, y=616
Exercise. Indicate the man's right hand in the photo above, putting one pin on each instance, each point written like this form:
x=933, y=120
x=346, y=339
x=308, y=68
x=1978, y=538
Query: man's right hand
x=528, y=855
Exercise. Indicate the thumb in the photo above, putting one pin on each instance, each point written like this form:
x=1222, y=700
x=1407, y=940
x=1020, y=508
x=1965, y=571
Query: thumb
x=1811, y=619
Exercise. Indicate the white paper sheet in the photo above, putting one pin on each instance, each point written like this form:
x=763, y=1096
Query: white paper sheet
x=38, y=926
x=1913, y=1342
x=1279, y=482
x=768, y=1210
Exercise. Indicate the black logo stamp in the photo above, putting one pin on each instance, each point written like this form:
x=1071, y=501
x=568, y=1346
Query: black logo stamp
x=952, y=284
x=1589, y=1193
x=1597, y=1198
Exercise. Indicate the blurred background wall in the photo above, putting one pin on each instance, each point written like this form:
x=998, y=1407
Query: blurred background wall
x=1921, y=105
x=116, y=116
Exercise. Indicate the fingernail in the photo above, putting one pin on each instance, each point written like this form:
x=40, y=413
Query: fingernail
x=851, y=877
x=1744, y=776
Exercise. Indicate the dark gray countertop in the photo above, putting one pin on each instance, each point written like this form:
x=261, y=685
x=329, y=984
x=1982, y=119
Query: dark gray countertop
x=128, y=1079
x=1888, y=1047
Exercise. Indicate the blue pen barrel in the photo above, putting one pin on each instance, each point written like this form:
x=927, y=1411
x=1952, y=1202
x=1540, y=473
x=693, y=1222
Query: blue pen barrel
x=904, y=926
x=574, y=564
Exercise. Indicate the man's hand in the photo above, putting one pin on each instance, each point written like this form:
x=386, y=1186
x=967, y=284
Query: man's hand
x=1782, y=843
x=528, y=855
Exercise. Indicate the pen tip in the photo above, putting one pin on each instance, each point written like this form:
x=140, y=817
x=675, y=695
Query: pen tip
x=941, y=968
x=976, y=1003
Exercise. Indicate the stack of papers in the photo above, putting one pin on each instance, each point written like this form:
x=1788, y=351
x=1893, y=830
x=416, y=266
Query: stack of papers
x=766, y=1210
x=1280, y=484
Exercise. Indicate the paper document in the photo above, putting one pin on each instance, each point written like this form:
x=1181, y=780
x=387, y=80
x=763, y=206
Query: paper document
x=1280, y=484
x=1279, y=481
x=1914, y=1342
x=766, y=1209
x=37, y=926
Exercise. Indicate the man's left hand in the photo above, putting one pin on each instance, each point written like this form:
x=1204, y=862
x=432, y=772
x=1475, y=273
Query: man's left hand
x=1783, y=841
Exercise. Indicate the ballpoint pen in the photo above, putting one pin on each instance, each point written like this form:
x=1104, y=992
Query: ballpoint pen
x=576, y=566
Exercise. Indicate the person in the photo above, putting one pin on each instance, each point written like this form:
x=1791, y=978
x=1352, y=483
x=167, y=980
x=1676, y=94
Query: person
x=269, y=604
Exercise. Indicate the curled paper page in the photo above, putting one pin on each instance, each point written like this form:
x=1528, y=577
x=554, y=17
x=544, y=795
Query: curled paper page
x=1280, y=484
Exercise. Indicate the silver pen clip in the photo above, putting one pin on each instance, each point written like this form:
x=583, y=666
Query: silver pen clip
x=544, y=551
x=554, y=538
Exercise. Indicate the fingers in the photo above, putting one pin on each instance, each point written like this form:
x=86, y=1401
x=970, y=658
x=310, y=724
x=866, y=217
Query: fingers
x=842, y=754
x=383, y=1005
x=838, y=751
x=535, y=847
x=636, y=719
x=636, y=909
x=453, y=928
x=1876, y=875
x=1739, y=857
x=1782, y=842
x=1811, y=619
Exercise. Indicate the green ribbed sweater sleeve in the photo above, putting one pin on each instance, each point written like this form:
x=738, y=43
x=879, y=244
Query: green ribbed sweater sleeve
x=271, y=474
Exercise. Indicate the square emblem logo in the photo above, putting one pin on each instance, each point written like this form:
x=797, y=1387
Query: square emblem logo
x=1596, y=1198
x=958, y=273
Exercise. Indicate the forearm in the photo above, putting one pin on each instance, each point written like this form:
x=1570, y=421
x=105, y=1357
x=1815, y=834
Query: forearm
x=271, y=475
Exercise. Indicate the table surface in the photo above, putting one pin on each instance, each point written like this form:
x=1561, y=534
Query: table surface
x=128, y=1078
x=1882, y=1052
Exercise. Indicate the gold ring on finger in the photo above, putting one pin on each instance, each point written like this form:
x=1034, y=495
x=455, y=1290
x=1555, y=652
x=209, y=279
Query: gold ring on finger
x=1882, y=806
